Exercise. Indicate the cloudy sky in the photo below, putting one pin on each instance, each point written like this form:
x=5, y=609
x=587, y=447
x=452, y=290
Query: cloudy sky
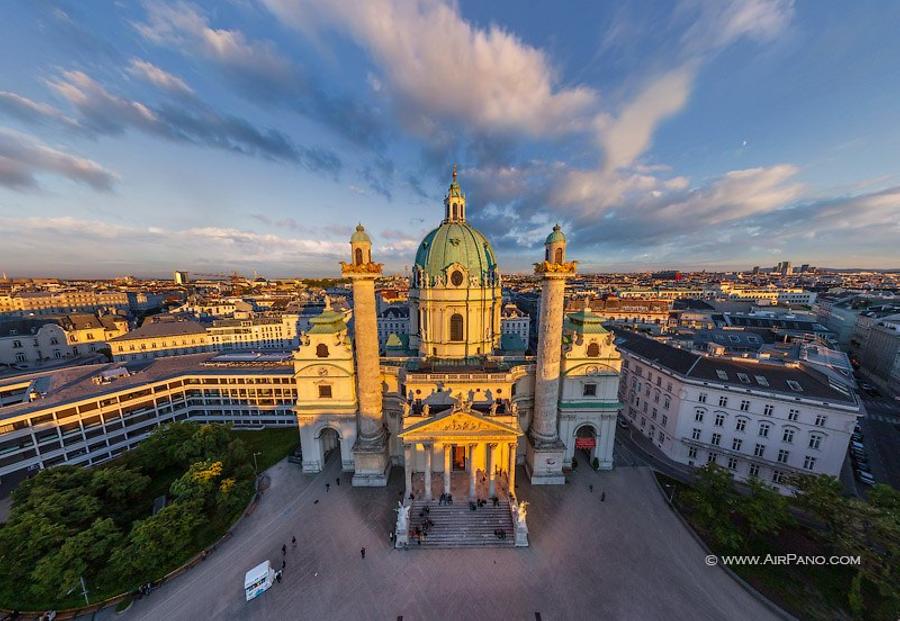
x=254, y=134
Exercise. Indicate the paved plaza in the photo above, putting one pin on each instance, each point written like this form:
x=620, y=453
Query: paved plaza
x=625, y=558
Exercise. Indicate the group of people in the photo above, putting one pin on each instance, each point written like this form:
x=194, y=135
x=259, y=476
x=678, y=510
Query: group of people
x=500, y=533
x=280, y=572
x=446, y=499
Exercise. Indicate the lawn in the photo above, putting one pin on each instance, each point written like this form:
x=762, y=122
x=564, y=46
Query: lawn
x=273, y=445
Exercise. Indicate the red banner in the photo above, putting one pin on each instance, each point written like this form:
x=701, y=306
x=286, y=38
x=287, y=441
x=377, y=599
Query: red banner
x=585, y=443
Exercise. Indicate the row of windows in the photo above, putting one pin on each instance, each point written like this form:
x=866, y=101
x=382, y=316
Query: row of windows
x=768, y=409
x=733, y=463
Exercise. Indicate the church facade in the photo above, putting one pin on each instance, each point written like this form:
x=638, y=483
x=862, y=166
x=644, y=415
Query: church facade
x=450, y=398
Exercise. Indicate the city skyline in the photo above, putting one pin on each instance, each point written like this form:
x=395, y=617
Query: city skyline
x=254, y=135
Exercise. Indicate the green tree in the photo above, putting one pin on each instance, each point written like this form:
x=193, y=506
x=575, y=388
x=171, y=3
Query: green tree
x=59, y=494
x=118, y=487
x=207, y=442
x=24, y=540
x=764, y=510
x=822, y=496
x=712, y=502
x=162, y=449
x=199, y=482
x=156, y=543
x=886, y=498
x=873, y=533
x=82, y=555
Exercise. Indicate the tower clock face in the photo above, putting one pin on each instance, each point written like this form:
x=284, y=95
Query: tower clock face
x=456, y=278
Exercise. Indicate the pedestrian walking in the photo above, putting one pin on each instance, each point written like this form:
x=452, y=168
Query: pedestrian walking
x=283, y=564
x=362, y=552
x=391, y=536
x=338, y=481
x=293, y=542
x=278, y=575
x=283, y=550
x=327, y=487
x=591, y=487
x=602, y=496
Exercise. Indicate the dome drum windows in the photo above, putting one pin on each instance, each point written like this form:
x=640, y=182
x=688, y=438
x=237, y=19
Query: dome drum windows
x=457, y=328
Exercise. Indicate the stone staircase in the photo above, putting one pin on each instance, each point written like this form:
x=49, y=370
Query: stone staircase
x=457, y=526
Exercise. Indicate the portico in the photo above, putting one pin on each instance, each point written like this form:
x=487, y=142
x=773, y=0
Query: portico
x=433, y=445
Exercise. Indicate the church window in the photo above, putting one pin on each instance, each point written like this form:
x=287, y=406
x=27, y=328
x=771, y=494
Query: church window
x=593, y=350
x=558, y=256
x=456, y=325
x=324, y=391
x=457, y=279
x=358, y=255
x=322, y=350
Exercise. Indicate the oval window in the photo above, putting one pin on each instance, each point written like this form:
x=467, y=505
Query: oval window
x=456, y=278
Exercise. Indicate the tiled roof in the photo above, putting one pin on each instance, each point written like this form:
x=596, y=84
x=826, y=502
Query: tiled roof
x=162, y=328
x=749, y=374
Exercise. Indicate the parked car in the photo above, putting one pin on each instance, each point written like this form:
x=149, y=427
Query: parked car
x=857, y=445
x=859, y=459
x=857, y=437
x=865, y=477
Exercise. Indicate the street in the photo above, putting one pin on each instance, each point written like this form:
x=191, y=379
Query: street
x=881, y=432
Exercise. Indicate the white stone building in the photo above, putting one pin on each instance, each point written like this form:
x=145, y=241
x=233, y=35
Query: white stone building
x=754, y=418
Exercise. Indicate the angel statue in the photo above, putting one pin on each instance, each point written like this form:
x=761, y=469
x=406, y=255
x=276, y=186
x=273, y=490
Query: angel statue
x=402, y=517
x=523, y=510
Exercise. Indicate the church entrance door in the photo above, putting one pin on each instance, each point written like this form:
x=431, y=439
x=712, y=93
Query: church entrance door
x=459, y=457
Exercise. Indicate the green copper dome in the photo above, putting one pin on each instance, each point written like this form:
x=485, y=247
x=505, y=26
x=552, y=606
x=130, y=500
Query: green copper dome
x=360, y=234
x=555, y=236
x=456, y=242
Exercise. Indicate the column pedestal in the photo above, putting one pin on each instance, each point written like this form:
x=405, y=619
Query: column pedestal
x=372, y=463
x=544, y=462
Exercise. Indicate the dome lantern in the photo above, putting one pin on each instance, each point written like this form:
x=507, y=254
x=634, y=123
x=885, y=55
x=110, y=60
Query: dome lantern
x=556, y=246
x=360, y=246
x=454, y=202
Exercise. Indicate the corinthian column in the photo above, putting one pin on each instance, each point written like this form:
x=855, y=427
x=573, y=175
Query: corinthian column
x=370, y=453
x=544, y=465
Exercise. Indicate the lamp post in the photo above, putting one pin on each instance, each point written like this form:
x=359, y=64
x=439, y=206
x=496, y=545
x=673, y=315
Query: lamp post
x=255, y=466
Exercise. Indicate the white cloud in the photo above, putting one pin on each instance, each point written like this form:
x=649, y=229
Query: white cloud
x=627, y=136
x=158, y=77
x=23, y=157
x=440, y=65
x=33, y=111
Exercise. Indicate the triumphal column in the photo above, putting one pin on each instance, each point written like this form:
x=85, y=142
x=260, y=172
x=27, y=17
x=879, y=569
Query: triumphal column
x=545, y=452
x=370, y=454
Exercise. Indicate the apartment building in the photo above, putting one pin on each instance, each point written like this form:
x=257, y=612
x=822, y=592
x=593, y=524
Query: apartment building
x=61, y=302
x=392, y=320
x=161, y=338
x=515, y=322
x=87, y=415
x=755, y=418
x=27, y=341
x=260, y=333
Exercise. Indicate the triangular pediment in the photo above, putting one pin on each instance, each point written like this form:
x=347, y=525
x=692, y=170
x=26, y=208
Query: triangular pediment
x=459, y=423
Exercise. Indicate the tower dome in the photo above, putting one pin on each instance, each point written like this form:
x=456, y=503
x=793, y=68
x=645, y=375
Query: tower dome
x=455, y=293
x=456, y=242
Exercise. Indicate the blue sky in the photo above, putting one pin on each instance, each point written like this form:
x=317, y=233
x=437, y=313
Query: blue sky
x=254, y=134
